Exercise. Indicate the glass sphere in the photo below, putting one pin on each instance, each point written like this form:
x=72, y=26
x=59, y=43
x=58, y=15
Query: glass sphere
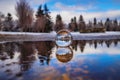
x=64, y=54
x=63, y=38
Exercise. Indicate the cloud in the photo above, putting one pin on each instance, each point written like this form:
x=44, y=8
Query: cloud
x=61, y=6
x=100, y=50
x=67, y=15
x=66, y=11
x=102, y=15
x=8, y=6
x=37, y=2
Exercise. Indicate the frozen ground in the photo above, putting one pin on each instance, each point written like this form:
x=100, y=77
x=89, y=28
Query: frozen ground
x=25, y=36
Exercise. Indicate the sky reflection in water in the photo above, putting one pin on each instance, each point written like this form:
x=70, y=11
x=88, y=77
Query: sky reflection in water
x=89, y=60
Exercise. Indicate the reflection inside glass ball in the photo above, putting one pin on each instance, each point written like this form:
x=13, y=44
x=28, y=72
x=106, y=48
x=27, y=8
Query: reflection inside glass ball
x=64, y=54
x=63, y=38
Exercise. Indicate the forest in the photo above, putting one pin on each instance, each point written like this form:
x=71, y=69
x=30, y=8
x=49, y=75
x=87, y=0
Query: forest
x=42, y=22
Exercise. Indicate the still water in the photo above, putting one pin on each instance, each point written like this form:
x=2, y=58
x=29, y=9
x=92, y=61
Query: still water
x=43, y=60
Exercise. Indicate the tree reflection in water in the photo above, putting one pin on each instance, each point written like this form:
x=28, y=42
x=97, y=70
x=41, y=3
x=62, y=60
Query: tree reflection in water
x=44, y=51
x=27, y=55
x=7, y=50
x=24, y=54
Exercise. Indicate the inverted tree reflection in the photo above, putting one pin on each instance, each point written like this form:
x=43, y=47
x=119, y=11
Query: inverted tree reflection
x=44, y=51
x=27, y=55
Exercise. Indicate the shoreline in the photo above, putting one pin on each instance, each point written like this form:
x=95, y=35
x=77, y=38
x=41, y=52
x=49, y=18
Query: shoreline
x=29, y=36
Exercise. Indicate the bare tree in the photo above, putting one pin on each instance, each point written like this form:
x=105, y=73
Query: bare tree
x=25, y=15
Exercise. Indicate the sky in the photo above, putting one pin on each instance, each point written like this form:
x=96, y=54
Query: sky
x=101, y=9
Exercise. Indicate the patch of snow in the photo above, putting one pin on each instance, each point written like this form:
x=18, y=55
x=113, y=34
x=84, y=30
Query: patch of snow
x=31, y=36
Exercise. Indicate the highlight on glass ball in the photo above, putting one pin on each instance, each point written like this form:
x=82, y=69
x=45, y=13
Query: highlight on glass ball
x=63, y=38
x=64, y=55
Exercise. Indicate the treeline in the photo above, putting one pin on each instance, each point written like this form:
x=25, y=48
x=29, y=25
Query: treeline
x=26, y=21
x=93, y=26
x=43, y=23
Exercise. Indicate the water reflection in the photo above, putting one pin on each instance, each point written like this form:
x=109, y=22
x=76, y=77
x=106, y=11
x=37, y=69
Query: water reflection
x=44, y=51
x=27, y=56
x=7, y=50
x=95, y=43
x=64, y=54
x=24, y=60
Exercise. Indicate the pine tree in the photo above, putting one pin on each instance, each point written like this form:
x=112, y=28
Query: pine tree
x=75, y=23
x=95, y=21
x=59, y=24
x=9, y=17
x=49, y=24
x=107, y=24
x=81, y=18
x=46, y=10
x=81, y=25
x=43, y=22
x=8, y=23
x=1, y=22
x=40, y=11
x=115, y=25
x=70, y=25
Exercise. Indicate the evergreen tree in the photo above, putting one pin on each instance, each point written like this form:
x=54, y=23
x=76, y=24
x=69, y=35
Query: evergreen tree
x=95, y=21
x=40, y=11
x=9, y=17
x=81, y=25
x=43, y=22
x=107, y=24
x=48, y=24
x=8, y=23
x=59, y=24
x=46, y=10
x=70, y=26
x=1, y=22
x=58, y=17
x=115, y=25
x=81, y=18
x=101, y=23
x=75, y=23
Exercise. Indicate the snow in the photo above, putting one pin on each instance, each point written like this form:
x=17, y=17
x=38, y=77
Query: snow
x=94, y=36
x=27, y=36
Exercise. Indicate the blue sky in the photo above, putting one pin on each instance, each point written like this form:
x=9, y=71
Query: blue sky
x=90, y=5
x=101, y=9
